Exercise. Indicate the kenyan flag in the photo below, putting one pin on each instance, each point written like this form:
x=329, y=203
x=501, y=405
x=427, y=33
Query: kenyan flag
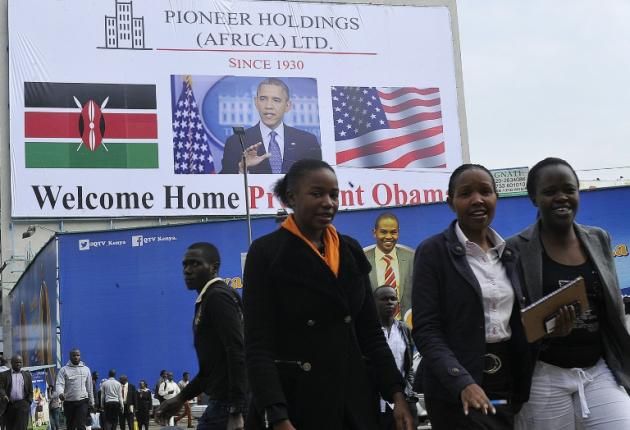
x=90, y=125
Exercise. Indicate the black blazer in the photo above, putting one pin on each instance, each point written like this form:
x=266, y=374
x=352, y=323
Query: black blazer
x=596, y=242
x=132, y=397
x=313, y=341
x=298, y=144
x=409, y=373
x=6, y=383
x=449, y=323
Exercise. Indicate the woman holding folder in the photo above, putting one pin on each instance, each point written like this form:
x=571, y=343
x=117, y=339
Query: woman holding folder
x=475, y=369
x=578, y=372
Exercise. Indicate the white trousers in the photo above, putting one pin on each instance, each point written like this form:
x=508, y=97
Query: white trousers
x=574, y=399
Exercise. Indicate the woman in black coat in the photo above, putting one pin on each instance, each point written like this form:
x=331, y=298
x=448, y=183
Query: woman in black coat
x=145, y=403
x=475, y=369
x=315, y=351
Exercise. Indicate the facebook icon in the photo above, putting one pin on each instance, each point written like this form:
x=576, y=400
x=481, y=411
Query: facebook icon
x=137, y=241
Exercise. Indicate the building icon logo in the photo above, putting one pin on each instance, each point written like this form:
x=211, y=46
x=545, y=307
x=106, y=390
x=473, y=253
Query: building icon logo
x=124, y=30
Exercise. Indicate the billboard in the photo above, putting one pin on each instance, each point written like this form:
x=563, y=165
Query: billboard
x=135, y=116
x=35, y=312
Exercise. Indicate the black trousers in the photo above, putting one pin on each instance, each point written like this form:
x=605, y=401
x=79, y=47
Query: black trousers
x=76, y=413
x=126, y=418
x=497, y=386
x=143, y=419
x=17, y=414
x=450, y=416
x=111, y=411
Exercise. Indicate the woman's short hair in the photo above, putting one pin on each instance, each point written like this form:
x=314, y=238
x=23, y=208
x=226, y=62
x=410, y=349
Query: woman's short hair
x=296, y=173
x=464, y=168
x=534, y=172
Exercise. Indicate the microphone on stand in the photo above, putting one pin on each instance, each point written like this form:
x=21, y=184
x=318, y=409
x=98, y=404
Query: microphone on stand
x=240, y=132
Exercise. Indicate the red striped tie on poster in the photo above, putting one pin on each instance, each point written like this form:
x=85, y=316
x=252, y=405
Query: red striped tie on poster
x=390, y=279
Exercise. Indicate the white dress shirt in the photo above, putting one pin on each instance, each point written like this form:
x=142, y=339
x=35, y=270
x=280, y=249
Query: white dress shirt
x=398, y=347
x=168, y=389
x=496, y=287
x=381, y=266
x=265, y=132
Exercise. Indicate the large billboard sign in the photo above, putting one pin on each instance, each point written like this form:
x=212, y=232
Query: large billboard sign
x=127, y=107
x=35, y=312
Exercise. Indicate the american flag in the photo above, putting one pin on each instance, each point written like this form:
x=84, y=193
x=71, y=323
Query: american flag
x=191, y=143
x=388, y=127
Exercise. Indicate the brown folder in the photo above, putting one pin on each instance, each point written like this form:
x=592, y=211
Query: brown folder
x=538, y=318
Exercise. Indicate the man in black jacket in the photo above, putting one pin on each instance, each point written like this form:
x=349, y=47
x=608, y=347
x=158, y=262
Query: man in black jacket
x=399, y=339
x=129, y=395
x=218, y=339
x=16, y=390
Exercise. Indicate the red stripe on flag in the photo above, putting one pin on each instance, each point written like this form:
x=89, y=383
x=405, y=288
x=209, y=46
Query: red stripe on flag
x=66, y=125
x=419, y=117
x=386, y=144
x=411, y=103
x=412, y=156
x=408, y=90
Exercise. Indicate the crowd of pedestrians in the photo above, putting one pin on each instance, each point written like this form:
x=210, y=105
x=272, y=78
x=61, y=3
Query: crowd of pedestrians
x=320, y=338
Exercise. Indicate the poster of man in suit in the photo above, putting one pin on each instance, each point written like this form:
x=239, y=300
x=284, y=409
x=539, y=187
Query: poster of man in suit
x=280, y=117
x=392, y=263
x=271, y=146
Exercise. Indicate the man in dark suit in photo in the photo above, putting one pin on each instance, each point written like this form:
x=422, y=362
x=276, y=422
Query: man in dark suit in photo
x=270, y=146
x=392, y=264
x=130, y=396
x=16, y=390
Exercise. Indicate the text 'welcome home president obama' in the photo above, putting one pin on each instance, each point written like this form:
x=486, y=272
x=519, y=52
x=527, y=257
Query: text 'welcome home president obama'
x=270, y=146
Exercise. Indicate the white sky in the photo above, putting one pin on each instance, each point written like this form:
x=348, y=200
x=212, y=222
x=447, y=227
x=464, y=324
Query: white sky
x=547, y=78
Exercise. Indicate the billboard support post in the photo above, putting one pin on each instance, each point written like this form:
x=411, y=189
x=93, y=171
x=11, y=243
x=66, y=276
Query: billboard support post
x=240, y=132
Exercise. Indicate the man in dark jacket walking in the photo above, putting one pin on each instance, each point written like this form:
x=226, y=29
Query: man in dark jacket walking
x=398, y=337
x=218, y=338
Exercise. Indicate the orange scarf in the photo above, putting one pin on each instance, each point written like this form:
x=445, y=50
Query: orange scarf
x=331, y=243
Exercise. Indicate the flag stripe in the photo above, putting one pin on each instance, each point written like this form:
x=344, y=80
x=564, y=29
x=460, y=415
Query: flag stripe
x=380, y=158
x=419, y=117
x=65, y=155
x=412, y=156
x=66, y=125
x=387, y=144
x=411, y=111
x=406, y=97
x=392, y=93
x=121, y=96
x=383, y=160
x=74, y=109
x=378, y=135
x=411, y=103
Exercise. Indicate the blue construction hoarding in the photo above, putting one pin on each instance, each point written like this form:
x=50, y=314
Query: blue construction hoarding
x=124, y=304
